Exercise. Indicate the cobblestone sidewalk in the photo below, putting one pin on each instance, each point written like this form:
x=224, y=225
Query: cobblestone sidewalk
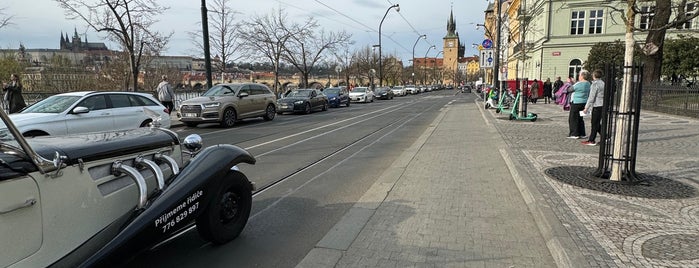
x=615, y=230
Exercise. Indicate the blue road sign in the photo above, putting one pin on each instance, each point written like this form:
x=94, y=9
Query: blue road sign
x=487, y=43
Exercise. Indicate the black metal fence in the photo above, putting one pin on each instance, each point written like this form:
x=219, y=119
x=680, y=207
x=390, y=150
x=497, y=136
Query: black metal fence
x=180, y=95
x=672, y=99
x=629, y=116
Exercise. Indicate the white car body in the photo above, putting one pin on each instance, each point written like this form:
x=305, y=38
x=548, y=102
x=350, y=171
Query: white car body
x=106, y=117
x=399, y=91
x=411, y=89
x=361, y=94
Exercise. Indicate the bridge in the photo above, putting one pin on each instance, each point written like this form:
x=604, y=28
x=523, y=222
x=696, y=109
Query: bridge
x=197, y=81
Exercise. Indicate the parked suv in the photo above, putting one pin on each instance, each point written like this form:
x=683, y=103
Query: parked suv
x=228, y=103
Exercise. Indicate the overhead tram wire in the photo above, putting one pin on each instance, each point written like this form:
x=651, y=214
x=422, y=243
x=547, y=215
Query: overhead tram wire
x=406, y=21
x=315, y=14
x=360, y=23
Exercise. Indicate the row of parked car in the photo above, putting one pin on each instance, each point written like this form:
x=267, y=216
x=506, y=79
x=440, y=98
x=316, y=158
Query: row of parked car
x=225, y=104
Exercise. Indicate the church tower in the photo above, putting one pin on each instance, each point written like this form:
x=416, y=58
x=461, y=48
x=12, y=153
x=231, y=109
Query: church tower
x=451, y=51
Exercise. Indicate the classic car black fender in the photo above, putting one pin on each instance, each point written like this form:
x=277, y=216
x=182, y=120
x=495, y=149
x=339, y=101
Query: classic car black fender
x=187, y=196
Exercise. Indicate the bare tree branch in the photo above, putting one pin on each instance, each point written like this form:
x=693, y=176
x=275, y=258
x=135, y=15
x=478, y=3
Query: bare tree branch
x=5, y=20
x=127, y=22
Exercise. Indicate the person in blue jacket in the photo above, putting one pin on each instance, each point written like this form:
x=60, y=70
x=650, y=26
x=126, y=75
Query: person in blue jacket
x=581, y=90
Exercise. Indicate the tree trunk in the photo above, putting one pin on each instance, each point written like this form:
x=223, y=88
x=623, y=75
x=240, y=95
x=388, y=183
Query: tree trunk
x=617, y=172
x=652, y=70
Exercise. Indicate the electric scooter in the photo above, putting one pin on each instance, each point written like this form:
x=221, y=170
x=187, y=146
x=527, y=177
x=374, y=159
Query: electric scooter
x=514, y=113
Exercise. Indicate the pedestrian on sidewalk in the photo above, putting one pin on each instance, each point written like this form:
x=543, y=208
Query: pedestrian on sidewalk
x=534, y=91
x=595, y=101
x=563, y=96
x=581, y=90
x=556, y=86
x=12, y=95
x=548, y=91
x=165, y=94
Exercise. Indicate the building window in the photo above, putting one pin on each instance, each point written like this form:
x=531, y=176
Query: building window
x=577, y=22
x=647, y=14
x=574, y=68
x=595, y=26
x=690, y=11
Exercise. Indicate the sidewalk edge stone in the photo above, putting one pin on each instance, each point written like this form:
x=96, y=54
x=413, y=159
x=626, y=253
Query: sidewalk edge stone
x=560, y=244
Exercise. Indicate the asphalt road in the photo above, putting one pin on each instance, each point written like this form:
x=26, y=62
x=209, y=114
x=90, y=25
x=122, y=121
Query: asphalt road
x=310, y=170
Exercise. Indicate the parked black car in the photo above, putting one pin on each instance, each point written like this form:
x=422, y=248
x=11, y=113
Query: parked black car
x=302, y=100
x=383, y=93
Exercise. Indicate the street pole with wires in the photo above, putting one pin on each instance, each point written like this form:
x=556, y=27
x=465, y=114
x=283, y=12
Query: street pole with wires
x=496, y=54
x=424, y=71
x=424, y=36
x=380, y=24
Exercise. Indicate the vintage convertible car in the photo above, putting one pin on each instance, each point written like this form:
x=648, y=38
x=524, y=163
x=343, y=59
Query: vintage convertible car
x=98, y=199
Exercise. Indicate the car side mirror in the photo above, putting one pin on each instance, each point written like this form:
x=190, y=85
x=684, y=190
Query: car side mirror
x=80, y=110
x=243, y=95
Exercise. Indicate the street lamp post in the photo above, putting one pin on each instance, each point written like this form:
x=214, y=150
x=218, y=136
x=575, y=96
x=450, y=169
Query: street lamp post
x=205, y=35
x=424, y=72
x=380, y=24
x=434, y=65
x=496, y=64
x=424, y=36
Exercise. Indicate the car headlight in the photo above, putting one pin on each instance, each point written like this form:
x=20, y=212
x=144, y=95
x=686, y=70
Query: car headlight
x=211, y=104
x=298, y=102
x=333, y=98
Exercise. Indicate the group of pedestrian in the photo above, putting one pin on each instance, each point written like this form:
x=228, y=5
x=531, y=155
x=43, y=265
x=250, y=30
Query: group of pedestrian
x=12, y=101
x=582, y=98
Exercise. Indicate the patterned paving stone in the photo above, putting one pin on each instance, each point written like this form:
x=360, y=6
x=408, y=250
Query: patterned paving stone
x=615, y=225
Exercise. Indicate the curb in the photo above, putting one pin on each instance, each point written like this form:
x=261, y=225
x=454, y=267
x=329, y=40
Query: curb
x=557, y=239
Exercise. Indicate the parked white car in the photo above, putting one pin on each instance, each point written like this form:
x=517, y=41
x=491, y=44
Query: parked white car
x=361, y=94
x=88, y=111
x=411, y=89
x=399, y=91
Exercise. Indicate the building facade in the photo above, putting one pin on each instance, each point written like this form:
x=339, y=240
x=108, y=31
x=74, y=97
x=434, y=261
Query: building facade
x=550, y=38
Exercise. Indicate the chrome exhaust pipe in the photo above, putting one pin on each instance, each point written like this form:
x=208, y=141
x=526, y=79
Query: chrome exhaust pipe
x=169, y=161
x=153, y=167
x=118, y=167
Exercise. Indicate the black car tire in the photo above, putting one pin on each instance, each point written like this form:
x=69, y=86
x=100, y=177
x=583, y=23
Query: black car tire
x=34, y=133
x=229, y=118
x=270, y=112
x=226, y=216
x=191, y=124
x=146, y=123
x=307, y=108
x=325, y=106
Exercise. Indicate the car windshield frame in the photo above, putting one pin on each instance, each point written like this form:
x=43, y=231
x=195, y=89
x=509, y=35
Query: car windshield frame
x=360, y=89
x=332, y=91
x=304, y=93
x=222, y=90
x=53, y=105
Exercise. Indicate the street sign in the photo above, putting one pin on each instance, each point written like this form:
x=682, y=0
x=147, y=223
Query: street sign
x=480, y=47
x=487, y=59
x=487, y=43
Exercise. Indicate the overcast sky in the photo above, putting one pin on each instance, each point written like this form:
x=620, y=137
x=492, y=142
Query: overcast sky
x=38, y=23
